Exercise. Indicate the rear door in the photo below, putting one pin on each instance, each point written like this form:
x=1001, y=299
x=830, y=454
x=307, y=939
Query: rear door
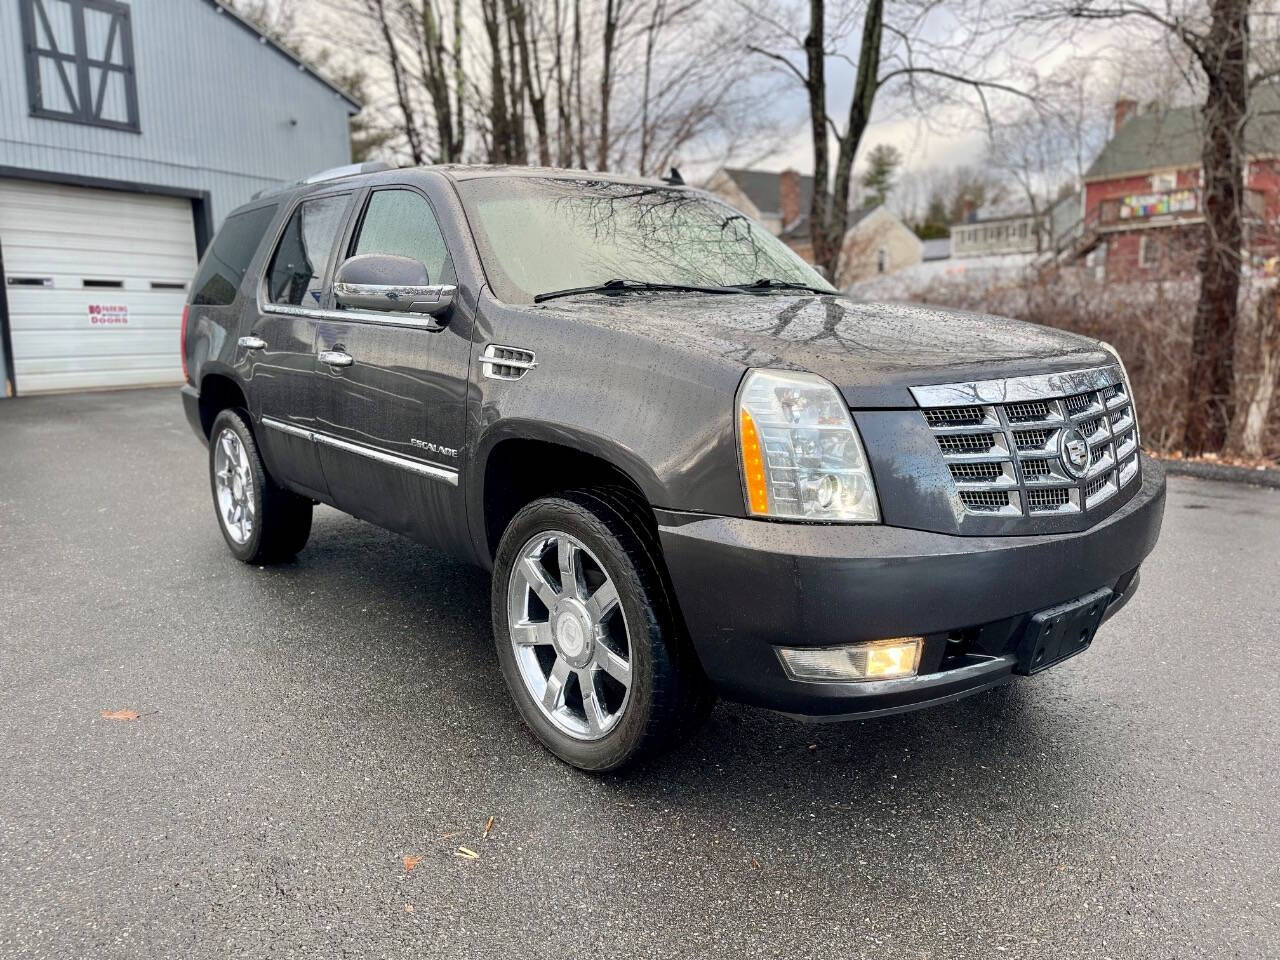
x=279, y=355
x=392, y=431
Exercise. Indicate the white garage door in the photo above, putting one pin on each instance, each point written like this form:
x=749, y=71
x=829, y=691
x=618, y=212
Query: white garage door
x=96, y=281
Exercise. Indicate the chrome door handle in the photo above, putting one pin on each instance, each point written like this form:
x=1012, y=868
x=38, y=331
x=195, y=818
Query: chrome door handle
x=252, y=343
x=335, y=358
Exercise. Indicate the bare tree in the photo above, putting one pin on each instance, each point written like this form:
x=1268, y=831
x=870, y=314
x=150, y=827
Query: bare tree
x=424, y=24
x=609, y=42
x=1258, y=377
x=1217, y=36
x=903, y=58
x=663, y=81
x=501, y=133
x=382, y=17
x=532, y=83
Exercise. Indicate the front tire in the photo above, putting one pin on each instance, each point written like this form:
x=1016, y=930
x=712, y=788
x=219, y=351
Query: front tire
x=261, y=521
x=589, y=644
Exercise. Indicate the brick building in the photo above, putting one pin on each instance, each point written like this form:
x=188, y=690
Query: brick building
x=1144, y=198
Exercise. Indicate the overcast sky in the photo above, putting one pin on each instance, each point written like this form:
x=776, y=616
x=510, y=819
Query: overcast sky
x=949, y=138
x=945, y=138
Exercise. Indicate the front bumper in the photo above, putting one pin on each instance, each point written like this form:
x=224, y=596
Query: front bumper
x=745, y=586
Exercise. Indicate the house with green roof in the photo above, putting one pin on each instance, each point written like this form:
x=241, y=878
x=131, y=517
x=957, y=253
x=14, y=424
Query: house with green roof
x=1144, y=196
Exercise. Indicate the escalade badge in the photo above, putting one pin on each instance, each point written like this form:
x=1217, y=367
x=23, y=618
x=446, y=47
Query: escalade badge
x=1074, y=452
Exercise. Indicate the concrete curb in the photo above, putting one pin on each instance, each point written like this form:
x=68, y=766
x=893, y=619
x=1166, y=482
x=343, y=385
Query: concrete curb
x=1222, y=471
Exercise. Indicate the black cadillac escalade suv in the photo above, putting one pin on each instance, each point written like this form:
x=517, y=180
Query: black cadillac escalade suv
x=692, y=466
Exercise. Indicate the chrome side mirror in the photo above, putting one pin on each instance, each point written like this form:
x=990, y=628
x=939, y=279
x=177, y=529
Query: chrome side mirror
x=390, y=284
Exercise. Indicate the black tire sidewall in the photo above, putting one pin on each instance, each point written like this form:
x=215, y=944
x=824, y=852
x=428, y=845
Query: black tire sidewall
x=644, y=625
x=233, y=420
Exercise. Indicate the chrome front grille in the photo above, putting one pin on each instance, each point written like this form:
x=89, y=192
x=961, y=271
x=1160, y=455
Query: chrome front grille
x=1031, y=446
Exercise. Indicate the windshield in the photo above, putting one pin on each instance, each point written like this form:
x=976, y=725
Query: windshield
x=539, y=235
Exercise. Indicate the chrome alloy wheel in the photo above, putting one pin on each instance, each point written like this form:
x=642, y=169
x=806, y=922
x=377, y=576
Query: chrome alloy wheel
x=233, y=482
x=569, y=635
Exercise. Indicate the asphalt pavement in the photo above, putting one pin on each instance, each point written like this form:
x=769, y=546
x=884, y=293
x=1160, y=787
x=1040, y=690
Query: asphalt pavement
x=304, y=729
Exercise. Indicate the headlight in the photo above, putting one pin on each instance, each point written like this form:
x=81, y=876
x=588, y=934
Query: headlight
x=801, y=457
x=1128, y=389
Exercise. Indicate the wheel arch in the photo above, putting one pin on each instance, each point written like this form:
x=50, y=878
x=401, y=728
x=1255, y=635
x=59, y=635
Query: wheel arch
x=520, y=462
x=219, y=389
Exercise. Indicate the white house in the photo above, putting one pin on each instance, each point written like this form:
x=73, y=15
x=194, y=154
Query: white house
x=876, y=241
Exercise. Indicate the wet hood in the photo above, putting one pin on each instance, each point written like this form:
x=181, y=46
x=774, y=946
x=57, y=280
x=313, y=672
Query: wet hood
x=874, y=352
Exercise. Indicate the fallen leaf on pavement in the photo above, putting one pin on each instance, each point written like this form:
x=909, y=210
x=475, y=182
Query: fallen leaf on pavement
x=487, y=827
x=410, y=862
x=408, y=908
x=120, y=714
x=466, y=853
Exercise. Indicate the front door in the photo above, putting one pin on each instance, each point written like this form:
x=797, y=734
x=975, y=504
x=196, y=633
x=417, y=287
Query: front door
x=280, y=351
x=391, y=435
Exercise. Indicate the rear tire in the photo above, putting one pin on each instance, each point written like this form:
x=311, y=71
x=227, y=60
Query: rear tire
x=600, y=683
x=260, y=520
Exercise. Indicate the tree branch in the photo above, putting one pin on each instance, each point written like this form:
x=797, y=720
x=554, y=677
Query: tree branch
x=780, y=59
x=980, y=85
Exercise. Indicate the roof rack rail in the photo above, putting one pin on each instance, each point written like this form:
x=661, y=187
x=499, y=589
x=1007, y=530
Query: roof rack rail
x=350, y=170
x=334, y=173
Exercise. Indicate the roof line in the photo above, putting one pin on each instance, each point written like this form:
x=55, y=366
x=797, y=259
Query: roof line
x=222, y=8
x=1026, y=215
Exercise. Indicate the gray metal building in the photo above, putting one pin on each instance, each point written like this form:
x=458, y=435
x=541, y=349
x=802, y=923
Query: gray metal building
x=128, y=130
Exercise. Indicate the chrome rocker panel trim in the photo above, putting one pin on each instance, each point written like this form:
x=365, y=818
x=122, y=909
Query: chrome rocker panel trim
x=431, y=470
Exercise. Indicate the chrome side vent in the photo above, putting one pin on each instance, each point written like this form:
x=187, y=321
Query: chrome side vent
x=506, y=363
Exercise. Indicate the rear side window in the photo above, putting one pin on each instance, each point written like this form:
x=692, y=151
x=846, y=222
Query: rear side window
x=229, y=257
x=400, y=222
x=296, y=275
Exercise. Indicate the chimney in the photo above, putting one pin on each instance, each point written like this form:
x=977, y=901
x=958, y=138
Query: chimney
x=1125, y=109
x=789, y=197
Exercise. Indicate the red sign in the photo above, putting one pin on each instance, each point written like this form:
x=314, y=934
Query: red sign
x=108, y=314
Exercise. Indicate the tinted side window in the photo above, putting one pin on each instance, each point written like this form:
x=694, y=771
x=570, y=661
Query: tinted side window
x=296, y=275
x=400, y=222
x=229, y=257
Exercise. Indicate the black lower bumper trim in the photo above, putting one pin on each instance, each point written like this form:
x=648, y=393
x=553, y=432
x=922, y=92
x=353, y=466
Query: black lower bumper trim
x=746, y=586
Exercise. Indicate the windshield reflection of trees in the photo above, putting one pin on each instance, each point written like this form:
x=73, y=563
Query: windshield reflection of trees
x=665, y=236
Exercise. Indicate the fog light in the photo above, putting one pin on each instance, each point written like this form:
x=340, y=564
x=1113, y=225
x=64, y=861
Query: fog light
x=878, y=660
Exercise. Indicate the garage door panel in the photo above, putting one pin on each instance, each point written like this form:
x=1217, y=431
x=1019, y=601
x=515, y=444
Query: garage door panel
x=37, y=349
x=67, y=309
x=78, y=325
x=131, y=261
x=82, y=220
x=159, y=242
x=72, y=204
x=71, y=234
x=115, y=375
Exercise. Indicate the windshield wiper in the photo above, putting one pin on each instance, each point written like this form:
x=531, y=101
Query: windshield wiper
x=621, y=286
x=770, y=283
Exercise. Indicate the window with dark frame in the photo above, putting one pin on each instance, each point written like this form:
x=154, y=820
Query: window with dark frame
x=1148, y=250
x=79, y=59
